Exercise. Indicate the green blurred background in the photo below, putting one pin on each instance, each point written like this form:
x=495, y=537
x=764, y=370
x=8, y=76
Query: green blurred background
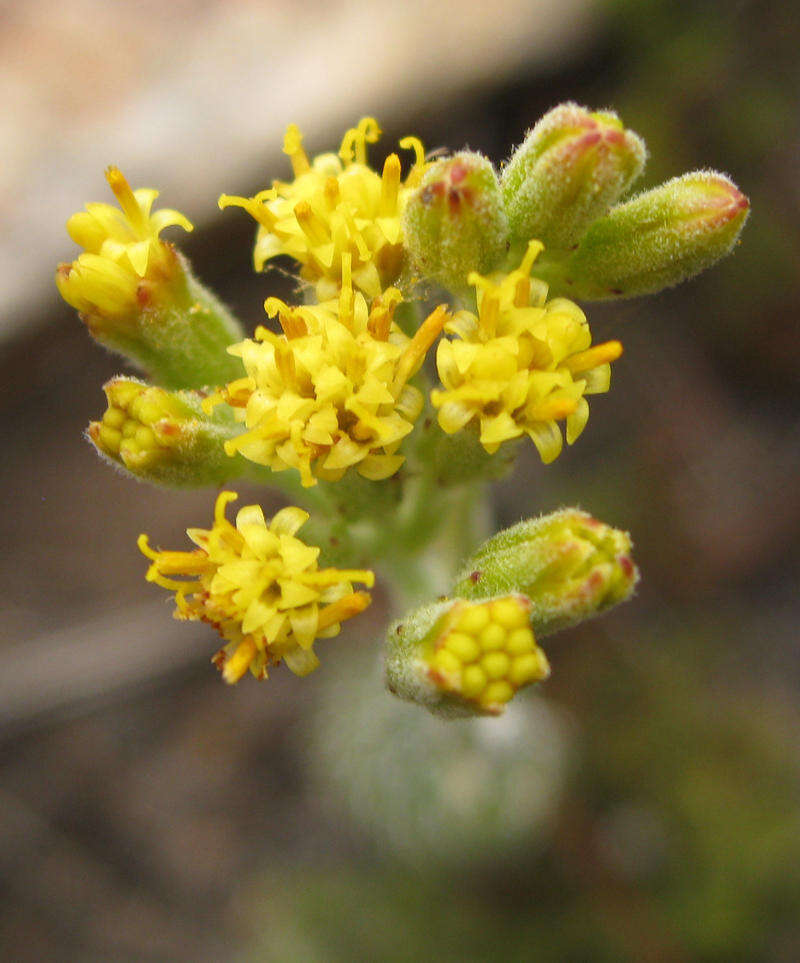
x=645, y=803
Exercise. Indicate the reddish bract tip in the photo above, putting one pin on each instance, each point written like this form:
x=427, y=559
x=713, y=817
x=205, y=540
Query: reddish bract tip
x=458, y=172
x=626, y=564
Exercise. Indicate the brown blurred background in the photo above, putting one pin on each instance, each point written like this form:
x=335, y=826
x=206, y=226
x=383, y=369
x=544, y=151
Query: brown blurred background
x=645, y=804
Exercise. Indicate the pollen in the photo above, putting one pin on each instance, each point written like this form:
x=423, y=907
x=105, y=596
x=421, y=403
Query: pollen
x=261, y=587
x=521, y=365
x=336, y=205
x=486, y=651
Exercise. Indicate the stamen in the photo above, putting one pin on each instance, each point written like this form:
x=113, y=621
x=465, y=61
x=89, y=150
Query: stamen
x=127, y=201
x=489, y=314
x=238, y=663
x=354, y=142
x=593, y=357
x=554, y=409
x=346, y=294
x=332, y=192
x=345, y=608
x=418, y=168
x=535, y=248
x=313, y=226
x=390, y=184
x=417, y=348
x=293, y=146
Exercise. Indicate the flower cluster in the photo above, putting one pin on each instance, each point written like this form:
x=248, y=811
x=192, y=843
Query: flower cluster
x=260, y=587
x=521, y=364
x=336, y=205
x=122, y=253
x=337, y=387
x=331, y=392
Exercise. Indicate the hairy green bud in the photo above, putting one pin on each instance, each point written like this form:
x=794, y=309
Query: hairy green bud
x=571, y=167
x=571, y=567
x=164, y=437
x=454, y=221
x=461, y=658
x=655, y=240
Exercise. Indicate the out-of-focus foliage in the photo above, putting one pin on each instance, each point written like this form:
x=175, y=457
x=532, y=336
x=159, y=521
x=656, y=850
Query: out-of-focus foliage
x=676, y=837
x=728, y=90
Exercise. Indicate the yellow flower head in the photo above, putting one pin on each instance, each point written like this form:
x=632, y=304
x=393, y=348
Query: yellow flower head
x=522, y=365
x=260, y=587
x=484, y=651
x=122, y=251
x=336, y=205
x=332, y=391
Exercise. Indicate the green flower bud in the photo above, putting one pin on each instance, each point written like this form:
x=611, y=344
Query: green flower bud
x=454, y=221
x=655, y=240
x=164, y=437
x=571, y=567
x=568, y=171
x=461, y=658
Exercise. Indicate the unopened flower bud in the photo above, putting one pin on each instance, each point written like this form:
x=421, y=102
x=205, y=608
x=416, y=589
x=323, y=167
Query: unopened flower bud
x=164, y=437
x=571, y=567
x=657, y=239
x=454, y=221
x=569, y=170
x=462, y=658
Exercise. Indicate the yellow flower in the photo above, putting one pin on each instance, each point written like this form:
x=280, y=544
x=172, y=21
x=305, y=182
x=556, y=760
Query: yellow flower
x=520, y=366
x=260, y=587
x=336, y=205
x=123, y=254
x=332, y=391
x=484, y=651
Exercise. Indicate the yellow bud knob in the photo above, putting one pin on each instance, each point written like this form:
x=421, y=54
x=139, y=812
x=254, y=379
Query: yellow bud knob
x=485, y=651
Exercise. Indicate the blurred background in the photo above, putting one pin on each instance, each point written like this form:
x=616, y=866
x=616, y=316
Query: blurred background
x=645, y=803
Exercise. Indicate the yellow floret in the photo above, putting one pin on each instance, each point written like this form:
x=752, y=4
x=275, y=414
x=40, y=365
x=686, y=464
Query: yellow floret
x=260, y=587
x=485, y=651
x=336, y=205
x=331, y=392
x=521, y=365
x=123, y=254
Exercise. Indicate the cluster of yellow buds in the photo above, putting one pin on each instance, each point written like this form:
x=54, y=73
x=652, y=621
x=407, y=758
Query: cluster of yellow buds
x=485, y=651
x=334, y=402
